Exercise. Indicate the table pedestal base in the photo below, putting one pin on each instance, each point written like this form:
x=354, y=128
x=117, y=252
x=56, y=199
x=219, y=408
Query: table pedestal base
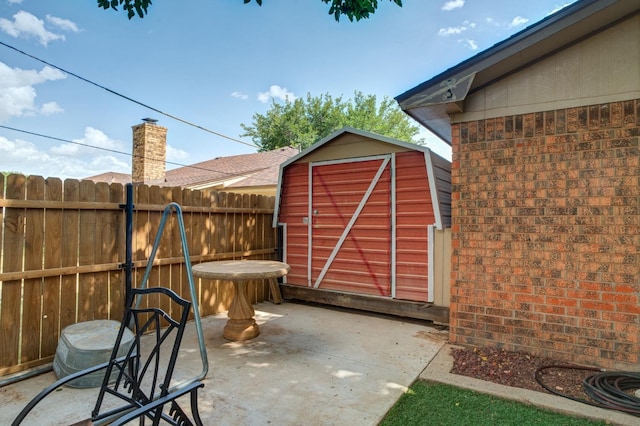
x=241, y=329
x=241, y=324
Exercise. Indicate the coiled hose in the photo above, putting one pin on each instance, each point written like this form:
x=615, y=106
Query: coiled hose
x=605, y=388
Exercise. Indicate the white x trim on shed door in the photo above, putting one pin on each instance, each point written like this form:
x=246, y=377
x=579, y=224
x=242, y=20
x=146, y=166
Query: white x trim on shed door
x=350, y=226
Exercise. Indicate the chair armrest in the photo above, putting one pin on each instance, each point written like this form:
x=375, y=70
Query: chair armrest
x=157, y=403
x=55, y=385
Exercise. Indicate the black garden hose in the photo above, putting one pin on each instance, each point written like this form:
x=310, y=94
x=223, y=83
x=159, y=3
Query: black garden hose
x=606, y=388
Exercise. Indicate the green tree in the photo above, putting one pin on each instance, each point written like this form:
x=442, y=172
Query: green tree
x=302, y=122
x=352, y=9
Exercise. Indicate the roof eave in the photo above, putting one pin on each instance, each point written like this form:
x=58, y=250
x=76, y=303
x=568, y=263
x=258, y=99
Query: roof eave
x=431, y=102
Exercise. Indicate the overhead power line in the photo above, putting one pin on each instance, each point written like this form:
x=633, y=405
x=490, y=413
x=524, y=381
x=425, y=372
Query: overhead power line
x=115, y=151
x=128, y=98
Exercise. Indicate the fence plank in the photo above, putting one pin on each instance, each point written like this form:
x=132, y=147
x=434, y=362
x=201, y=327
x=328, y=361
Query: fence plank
x=236, y=223
x=253, y=285
x=104, y=238
x=271, y=238
x=171, y=240
x=207, y=287
x=70, y=235
x=225, y=289
x=52, y=259
x=141, y=245
x=256, y=242
x=162, y=196
x=12, y=261
x=197, y=225
x=197, y=234
x=211, y=289
x=87, y=303
x=259, y=237
x=187, y=200
x=32, y=288
x=155, y=278
x=117, y=254
x=175, y=245
x=261, y=226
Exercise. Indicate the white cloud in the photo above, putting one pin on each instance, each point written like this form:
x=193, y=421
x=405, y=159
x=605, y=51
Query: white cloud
x=276, y=92
x=12, y=77
x=240, y=95
x=85, y=145
x=471, y=44
x=14, y=1
x=452, y=4
x=50, y=108
x=63, y=24
x=17, y=94
x=76, y=160
x=67, y=160
x=518, y=21
x=466, y=25
x=176, y=154
x=102, y=164
x=26, y=25
x=20, y=151
x=16, y=102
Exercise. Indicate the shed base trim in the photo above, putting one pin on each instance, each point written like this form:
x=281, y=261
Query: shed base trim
x=401, y=308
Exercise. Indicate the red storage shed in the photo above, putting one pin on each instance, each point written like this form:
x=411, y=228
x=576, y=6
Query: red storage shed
x=356, y=211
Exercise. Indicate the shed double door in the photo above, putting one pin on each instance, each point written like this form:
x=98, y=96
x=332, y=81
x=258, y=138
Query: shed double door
x=350, y=229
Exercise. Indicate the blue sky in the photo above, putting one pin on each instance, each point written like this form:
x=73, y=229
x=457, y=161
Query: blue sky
x=214, y=63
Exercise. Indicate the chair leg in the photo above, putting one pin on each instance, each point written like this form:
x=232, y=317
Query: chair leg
x=194, y=407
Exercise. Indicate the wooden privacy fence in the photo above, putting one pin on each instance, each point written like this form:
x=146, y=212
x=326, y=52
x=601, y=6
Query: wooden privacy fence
x=63, y=253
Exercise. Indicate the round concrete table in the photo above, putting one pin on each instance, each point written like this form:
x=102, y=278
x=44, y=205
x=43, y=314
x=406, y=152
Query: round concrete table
x=241, y=325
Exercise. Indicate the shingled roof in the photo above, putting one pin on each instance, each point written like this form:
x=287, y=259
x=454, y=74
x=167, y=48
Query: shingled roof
x=236, y=171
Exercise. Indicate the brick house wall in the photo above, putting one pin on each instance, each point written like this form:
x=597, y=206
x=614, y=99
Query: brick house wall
x=546, y=233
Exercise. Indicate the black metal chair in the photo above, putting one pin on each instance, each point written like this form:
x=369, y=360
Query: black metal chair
x=138, y=383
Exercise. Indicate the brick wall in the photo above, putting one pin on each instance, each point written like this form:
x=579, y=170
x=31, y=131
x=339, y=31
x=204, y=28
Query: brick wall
x=546, y=234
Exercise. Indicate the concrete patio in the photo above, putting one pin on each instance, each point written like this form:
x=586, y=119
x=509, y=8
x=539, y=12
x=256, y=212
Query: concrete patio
x=309, y=365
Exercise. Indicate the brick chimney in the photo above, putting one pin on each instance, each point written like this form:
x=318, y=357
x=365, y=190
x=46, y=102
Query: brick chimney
x=149, y=152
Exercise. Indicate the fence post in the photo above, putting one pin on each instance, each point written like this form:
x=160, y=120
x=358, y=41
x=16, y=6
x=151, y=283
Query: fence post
x=128, y=263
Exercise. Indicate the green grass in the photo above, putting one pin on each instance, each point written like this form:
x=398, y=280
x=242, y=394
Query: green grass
x=428, y=403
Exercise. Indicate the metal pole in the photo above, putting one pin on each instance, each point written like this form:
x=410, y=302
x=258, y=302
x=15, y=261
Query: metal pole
x=128, y=262
x=192, y=287
x=129, y=241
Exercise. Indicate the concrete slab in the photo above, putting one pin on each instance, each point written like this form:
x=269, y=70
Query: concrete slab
x=309, y=365
x=439, y=369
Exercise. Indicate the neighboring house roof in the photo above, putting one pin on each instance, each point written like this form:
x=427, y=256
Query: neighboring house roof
x=438, y=169
x=236, y=171
x=111, y=177
x=431, y=102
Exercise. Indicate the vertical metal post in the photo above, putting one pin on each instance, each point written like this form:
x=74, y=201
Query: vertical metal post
x=128, y=261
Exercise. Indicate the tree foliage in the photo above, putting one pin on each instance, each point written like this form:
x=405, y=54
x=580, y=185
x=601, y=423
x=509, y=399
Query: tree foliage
x=352, y=9
x=302, y=122
x=132, y=7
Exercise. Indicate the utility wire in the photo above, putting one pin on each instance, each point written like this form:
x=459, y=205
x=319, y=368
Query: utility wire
x=128, y=98
x=222, y=174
